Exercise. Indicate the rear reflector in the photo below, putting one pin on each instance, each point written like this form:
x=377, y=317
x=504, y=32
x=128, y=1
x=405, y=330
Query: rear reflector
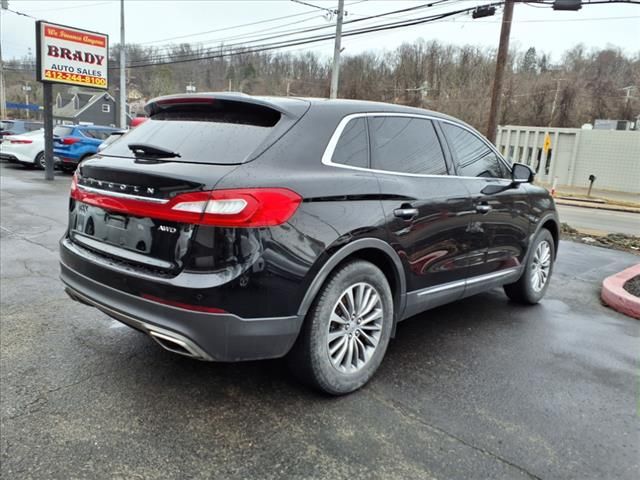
x=186, y=306
x=18, y=141
x=244, y=207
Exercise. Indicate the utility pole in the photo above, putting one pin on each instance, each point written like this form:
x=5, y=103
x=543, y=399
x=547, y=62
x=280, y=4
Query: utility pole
x=503, y=50
x=335, y=70
x=555, y=100
x=4, y=4
x=123, y=72
x=26, y=88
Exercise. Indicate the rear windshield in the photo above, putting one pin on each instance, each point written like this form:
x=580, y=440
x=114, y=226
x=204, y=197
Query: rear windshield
x=6, y=125
x=223, y=132
x=62, y=131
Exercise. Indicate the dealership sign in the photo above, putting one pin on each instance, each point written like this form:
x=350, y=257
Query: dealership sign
x=71, y=56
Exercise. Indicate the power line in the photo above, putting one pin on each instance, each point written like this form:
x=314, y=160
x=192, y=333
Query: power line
x=233, y=27
x=312, y=39
x=300, y=31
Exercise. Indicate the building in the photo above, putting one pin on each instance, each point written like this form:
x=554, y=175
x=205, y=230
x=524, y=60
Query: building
x=85, y=106
x=613, y=156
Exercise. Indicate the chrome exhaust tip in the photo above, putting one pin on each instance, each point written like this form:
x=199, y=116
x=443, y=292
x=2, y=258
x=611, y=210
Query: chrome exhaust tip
x=176, y=345
x=167, y=339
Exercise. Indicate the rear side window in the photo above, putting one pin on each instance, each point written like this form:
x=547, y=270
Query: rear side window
x=405, y=145
x=96, y=133
x=352, y=148
x=214, y=131
x=473, y=156
x=62, y=131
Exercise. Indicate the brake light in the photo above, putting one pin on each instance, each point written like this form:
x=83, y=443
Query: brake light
x=246, y=207
x=184, y=100
x=19, y=141
x=69, y=140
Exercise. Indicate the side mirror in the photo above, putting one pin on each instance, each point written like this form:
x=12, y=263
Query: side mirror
x=521, y=173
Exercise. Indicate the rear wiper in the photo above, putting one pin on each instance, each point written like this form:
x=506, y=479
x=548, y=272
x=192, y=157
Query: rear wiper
x=145, y=150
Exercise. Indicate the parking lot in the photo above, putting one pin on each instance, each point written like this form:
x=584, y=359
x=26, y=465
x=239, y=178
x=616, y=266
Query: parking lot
x=479, y=389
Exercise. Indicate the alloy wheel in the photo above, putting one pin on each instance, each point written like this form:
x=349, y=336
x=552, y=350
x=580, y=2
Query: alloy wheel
x=355, y=327
x=541, y=266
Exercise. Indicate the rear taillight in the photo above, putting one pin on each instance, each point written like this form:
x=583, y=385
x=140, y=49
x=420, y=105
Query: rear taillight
x=19, y=141
x=69, y=140
x=246, y=207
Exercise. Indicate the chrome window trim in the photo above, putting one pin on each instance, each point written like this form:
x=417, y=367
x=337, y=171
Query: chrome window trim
x=335, y=137
x=122, y=195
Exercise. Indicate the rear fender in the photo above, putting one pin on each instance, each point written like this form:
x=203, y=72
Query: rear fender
x=351, y=250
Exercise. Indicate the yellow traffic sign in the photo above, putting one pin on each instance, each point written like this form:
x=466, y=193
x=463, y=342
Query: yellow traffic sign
x=547, y=143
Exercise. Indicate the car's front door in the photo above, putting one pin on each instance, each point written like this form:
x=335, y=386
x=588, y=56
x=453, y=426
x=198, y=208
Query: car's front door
x=426, y=210
x=500, y=224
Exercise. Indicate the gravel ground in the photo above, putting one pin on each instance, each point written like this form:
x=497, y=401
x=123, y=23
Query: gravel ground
x=633, y=286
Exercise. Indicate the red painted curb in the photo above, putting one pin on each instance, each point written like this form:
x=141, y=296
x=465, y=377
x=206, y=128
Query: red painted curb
x=617, y=297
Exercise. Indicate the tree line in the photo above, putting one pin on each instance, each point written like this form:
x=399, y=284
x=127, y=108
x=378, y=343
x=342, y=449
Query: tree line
x=585, y=84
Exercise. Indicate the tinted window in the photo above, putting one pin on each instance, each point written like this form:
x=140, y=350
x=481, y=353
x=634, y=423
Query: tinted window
x=34, y=126
x=97, y=134
x=405, y=145
x=218, y=132
x=473, y=156
x=352, y=148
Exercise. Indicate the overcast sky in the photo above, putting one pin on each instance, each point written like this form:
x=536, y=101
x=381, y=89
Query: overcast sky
x=154, y=21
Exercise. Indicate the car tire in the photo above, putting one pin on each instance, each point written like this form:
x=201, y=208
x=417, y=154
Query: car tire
x=329, y=332
x=535, y=279
x=39, y=161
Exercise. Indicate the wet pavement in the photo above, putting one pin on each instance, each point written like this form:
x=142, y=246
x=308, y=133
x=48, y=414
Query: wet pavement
x=479, y=389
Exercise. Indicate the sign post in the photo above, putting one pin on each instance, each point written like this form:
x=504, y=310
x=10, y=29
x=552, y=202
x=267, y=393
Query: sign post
x=69, y=56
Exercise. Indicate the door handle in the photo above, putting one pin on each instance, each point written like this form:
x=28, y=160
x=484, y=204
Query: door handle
x=408, y=213
x=483, y=208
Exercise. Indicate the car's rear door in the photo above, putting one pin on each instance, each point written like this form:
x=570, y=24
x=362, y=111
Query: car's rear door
x=426, y=210
x=500, y=223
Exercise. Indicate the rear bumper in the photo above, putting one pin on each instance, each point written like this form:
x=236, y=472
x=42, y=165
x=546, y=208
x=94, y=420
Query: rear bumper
x=68, y=161
x=15, y=157
x=205, y=336
x=8, y=157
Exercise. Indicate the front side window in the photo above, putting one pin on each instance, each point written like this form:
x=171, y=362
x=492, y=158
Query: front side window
x=473, y=156
x=405, y=145
x=352, y=148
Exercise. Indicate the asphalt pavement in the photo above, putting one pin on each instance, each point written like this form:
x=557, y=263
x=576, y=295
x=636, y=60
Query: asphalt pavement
x=478, y=389
x=600, y=221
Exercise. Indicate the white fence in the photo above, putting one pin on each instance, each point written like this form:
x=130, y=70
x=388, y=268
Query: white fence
x=612, y=156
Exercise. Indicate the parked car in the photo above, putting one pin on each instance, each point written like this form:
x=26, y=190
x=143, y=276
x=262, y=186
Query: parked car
x=113, y=137
x=27, y=148
x=74, y=143
x=17, y=127
x=307, y=228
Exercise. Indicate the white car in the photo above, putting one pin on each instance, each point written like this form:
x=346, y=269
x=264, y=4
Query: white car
x=26, y=148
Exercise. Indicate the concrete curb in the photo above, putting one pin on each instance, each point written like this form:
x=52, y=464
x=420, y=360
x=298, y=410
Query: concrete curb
x=596, y=206
x=617, y=297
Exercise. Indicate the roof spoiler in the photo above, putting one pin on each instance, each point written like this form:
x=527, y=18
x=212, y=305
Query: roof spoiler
x=290, y=107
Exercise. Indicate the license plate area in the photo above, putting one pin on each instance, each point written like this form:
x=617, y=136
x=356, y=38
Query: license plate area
x=139, y=240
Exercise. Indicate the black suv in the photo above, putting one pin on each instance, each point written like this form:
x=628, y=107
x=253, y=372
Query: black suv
x=230, y=227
